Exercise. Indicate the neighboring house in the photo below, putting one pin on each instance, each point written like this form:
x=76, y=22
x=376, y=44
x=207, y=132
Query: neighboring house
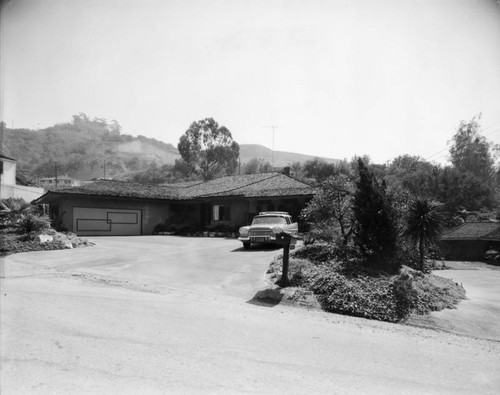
x=471, y=240
x=8, y=186
x=57, y=182
x=108, y=207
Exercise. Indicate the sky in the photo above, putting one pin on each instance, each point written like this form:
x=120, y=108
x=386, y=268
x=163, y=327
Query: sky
x=337, y=78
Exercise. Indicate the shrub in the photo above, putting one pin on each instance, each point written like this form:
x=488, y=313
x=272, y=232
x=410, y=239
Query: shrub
x=361, y=296
x=434, y=293
x=30, y=224
x=161, y=227
x=316, y=253
x=492, y=256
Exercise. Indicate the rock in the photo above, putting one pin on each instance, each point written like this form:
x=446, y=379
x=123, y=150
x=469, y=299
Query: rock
x=71, y=236
x=60, y=238
x=49, y=231
x=403, y=287
x=67, y=245
x=44, y=239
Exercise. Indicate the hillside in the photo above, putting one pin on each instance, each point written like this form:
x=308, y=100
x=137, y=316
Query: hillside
x=281, y=158
x=81, y=148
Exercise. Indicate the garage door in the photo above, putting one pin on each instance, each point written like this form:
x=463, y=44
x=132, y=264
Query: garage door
x=106, y=221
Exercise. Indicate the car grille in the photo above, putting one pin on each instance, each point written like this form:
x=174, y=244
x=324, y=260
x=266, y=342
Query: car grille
x=258, y=233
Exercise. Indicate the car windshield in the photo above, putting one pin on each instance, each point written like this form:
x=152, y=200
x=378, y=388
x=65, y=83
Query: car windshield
x=268, y=220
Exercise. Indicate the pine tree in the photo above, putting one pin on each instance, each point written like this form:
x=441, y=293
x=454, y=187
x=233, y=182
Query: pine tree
x=375, y=229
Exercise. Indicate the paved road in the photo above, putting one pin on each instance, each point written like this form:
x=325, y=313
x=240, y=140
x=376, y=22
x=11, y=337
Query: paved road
x=172, y=315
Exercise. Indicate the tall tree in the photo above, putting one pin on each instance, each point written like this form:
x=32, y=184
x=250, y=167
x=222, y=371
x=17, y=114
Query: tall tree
x=472, y=152
x=375, y=229
x=210, y=148
x=331, y=207
x=424, y=225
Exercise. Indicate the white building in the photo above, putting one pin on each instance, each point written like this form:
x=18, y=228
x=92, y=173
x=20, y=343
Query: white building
x=59, y=182
x=8, y=186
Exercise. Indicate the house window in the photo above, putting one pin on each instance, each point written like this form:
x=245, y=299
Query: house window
x=221, y=213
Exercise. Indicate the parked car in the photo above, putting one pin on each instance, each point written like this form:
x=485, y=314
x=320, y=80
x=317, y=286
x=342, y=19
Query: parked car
x=266, y=226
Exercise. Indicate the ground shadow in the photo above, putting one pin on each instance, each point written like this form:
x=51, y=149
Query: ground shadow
x=263, y=247
x=267, y=298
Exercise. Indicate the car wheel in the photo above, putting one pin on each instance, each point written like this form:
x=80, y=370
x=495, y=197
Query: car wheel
x=246, y=246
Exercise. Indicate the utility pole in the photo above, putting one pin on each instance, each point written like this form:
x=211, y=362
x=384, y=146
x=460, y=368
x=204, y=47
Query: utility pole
x=104, y=169
x=273, y=127
x=55, y=172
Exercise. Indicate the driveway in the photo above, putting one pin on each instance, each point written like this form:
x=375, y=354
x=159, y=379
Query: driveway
x=171, y=315
x=478, y=315
x=159, y=263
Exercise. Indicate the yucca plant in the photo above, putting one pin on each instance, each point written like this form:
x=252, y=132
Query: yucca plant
x=30, y=224
x=424, y=225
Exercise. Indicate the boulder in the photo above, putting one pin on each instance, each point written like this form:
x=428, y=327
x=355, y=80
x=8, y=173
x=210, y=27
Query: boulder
x=49, y=231
x=60, y=238
x=44, y=239
x=67, y=245
x=71, y=236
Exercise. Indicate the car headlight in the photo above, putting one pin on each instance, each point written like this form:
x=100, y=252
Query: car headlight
x=243, y=231
x=277, y=230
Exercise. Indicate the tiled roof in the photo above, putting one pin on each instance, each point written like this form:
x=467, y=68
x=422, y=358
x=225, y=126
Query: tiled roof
x=121, y=189
x=474, y=231
x=249, y=185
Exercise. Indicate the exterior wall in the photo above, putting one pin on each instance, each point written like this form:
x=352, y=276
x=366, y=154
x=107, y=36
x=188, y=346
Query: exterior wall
x=153, y=212
x=243, y=210
x=62, y=182
x=238, y=213
x=20, y=191
x=8, y=176
x=471, y=250
x=291, y=205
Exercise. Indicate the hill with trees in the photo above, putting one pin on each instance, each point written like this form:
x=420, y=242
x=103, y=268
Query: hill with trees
x=88, y=148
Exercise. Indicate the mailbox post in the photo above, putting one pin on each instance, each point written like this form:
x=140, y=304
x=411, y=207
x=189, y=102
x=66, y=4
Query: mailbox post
x=284, y=239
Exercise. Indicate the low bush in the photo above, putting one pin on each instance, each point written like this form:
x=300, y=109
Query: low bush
x=15, y=244
x=434, y=293
x=492, y=256
x=345, y=286
x=360, y=296
x=161, y=227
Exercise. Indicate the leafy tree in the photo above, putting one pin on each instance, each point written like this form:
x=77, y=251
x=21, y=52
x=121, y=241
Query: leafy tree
x=424, y=225
x=474, y=156
x=210, y=148
x=375, y=231
x=257, y=165
x=472, y=152
x=318, y=169
x=331, y=208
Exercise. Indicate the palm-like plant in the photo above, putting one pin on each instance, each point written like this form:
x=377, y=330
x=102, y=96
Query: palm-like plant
x=11, y=210
x=424, y=225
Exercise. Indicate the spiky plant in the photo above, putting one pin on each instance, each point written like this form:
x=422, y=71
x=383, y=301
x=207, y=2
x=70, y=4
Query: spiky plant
x=30, y=224
x=424, y=225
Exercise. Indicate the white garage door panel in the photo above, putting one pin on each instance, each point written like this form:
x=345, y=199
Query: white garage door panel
x=106, y=221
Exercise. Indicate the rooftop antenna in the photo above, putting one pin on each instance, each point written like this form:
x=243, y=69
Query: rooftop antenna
x=273, y=127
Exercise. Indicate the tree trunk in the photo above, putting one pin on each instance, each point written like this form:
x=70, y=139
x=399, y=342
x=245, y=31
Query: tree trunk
x=421, y=250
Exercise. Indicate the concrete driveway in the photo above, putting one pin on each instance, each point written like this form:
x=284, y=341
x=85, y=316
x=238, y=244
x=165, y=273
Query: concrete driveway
x=159, y=263
x=478, y=315
x=171, y=315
